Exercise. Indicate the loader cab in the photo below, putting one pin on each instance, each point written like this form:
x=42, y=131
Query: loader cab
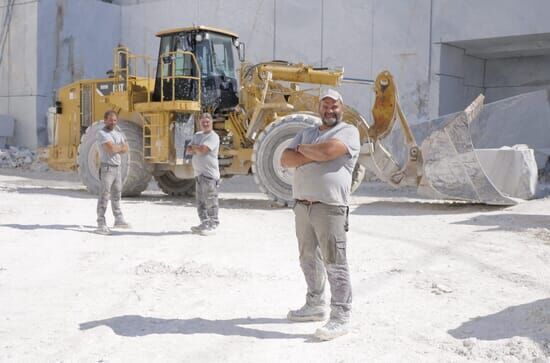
x=216, y=54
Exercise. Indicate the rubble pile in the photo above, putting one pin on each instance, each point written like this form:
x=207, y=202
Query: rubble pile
x=16, y=157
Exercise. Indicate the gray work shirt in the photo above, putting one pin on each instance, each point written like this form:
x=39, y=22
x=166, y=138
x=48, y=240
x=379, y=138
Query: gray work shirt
x=206, y=164
x=117, y=138
x=328, y=182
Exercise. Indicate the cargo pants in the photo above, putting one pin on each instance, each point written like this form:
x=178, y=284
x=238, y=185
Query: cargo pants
x=206, y=191
x=321, y=232
x=110, y=181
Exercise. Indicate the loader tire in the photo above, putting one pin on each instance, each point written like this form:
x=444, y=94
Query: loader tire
x=135, y=173
x=172, y=185
x=271, y=177
x=357, y=177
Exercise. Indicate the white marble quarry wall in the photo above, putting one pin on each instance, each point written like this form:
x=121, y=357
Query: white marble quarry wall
x=431, y=46
x=51, y=43
x=18, y=73
x=507, y=77
x=508, y=43
x=76, y=41
x=473, y=19
x=364, y=37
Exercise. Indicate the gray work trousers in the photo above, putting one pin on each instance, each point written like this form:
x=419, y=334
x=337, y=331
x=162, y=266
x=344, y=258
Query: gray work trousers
x=110, y=181
x=321, y=233
x=206, y=191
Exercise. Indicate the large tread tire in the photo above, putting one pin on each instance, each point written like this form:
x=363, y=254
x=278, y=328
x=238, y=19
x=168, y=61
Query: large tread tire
x=172, y=185
x=135, y=173
x=271, y=177
x=357, y=176
x=268, y=149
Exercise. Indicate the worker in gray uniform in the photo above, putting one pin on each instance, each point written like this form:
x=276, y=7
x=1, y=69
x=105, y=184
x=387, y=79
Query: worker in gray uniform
x=204, y=147
x=324, y=157
x=111, y=143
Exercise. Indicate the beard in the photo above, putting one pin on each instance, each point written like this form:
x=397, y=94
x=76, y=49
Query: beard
x=331, y=121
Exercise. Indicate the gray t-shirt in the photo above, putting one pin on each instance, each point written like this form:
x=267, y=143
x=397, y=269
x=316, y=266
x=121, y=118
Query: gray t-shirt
x=327, y=181
x=117, y=138
x=206, y=164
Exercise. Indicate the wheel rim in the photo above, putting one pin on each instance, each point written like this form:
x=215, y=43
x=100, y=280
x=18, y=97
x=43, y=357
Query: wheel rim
x=285, y=174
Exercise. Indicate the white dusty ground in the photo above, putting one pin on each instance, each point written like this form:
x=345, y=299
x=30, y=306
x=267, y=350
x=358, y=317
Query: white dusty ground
x=433, y=282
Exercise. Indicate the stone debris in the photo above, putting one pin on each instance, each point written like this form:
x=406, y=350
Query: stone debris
x=439, y=289
x=515, y=349
x=24, y=158
x=16, y=157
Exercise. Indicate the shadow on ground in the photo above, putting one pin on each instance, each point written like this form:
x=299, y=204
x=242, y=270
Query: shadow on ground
x=161, y=199
x=137, y=326
x=90, y=229
x=36, y=175
x=66, y=192
x=415, y=208
x=531, y=320
x=224, y=202
x=508, y=221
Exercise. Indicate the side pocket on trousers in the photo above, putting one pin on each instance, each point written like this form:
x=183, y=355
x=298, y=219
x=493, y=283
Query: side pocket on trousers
x=341, y=252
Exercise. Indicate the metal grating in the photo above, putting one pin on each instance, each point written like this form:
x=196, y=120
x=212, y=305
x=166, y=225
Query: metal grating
x=86, y=104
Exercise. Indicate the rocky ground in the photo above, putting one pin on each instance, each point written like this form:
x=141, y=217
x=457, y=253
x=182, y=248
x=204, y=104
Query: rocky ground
x=433, y=281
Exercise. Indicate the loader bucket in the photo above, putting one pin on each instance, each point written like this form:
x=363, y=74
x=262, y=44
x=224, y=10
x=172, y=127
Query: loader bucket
x=451, y=168
x=447, y=166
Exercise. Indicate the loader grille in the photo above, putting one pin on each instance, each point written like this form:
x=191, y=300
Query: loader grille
x=86, y=105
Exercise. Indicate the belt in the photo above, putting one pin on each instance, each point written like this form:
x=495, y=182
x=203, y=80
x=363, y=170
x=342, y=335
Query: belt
x=306, y=202
x=109, y=165
x=207, y=177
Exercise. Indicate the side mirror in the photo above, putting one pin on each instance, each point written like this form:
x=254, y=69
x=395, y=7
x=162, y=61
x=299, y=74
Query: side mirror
x=241, y=48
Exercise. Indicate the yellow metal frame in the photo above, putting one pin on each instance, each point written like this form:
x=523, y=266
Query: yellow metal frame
x=158, y=116
x=196, y=28
x=131, y=98
x=156, y=137
x=268, y=91
x=130, y=74
x=63, y=151
x=174, y=77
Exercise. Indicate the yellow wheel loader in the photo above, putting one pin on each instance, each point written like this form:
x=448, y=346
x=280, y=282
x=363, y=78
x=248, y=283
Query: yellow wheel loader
x=257, y=111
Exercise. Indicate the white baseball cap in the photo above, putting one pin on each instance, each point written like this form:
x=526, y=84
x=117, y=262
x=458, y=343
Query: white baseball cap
x=331, y=93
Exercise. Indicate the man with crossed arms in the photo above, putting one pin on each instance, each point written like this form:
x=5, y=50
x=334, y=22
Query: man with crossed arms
x=324, y=157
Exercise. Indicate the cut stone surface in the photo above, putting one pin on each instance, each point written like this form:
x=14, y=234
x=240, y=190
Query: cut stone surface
x=522, y=119
x=512, y=170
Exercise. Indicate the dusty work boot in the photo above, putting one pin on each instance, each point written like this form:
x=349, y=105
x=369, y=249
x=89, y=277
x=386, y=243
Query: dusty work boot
x=307, y=313
x=103, y=229
x=207, y=231
x=199, y=228
x=332, y=329
x=204, y=229
x=121, y=223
